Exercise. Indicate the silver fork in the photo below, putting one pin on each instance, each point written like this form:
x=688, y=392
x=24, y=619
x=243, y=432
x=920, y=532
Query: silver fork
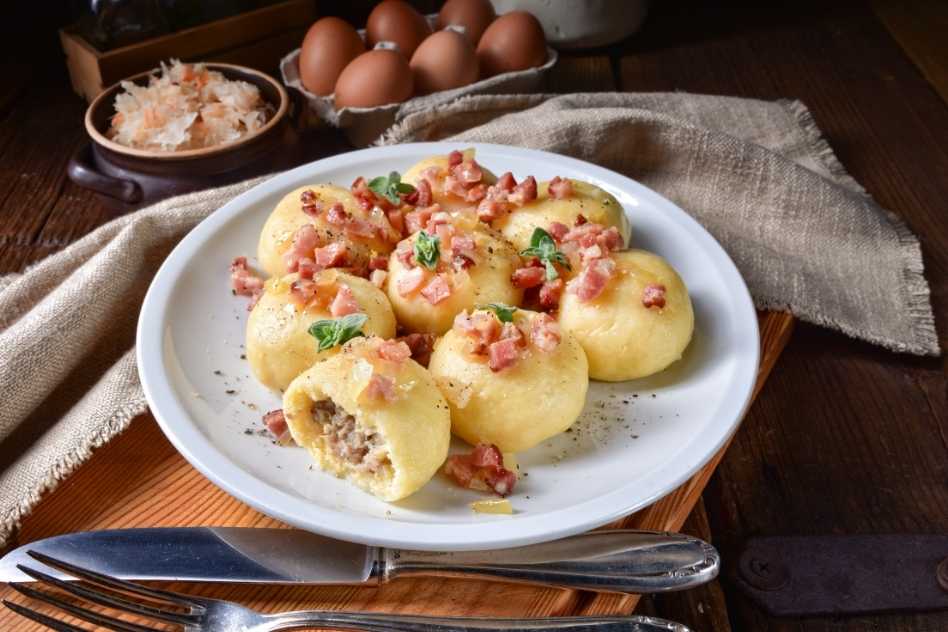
x=214, y=615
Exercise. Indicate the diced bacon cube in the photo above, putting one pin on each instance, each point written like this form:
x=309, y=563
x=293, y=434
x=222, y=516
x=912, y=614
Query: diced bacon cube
x=489, y=210
x=503, y=354
x=528, y=277
x=476, y=193
x=244, y=282
x=468, y=172
x=345, y=303
x=337, y=215
x=395, y=351
x=303, y=290
x=482, y=469
x=611, y=239
x=309, y=196
x=455, y=158
x=550, y=293
x=334, y=255
x=560, y=188
x=524, y=192
x=423, y=189
x=451, y=186
x=378, y=262
x=306, y=268
x=421, y=346
x=305, y=239
x=418, y=219
x=512, y=332
x=506, y=182
x=483, y=329
x=545, y=333
x=654, y=296
x=436, y=290
x=461, y=242
x=558, y=230
x=411, y=281
x=381, y=386
x=275, y=422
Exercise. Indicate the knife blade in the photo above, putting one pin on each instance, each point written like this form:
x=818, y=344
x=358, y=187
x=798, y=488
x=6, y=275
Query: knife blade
x=615, y=561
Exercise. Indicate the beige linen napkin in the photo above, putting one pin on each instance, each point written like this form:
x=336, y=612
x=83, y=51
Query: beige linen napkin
x=806, y=237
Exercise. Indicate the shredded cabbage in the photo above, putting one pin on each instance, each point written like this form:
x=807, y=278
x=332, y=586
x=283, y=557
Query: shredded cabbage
x=187, y=107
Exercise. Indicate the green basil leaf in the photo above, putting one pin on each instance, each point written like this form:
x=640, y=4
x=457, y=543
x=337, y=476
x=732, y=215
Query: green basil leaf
x=331, y=332
x=427, y=250
x=543, y=248
x=389, y=187
x=503, y=311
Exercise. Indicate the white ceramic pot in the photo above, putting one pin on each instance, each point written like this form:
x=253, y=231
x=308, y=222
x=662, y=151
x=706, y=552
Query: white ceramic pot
x=573, y=24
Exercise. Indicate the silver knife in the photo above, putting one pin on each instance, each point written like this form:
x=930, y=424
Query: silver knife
x=618, y=561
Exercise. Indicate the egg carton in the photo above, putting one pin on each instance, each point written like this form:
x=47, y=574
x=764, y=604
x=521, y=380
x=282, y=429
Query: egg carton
x=363, y=126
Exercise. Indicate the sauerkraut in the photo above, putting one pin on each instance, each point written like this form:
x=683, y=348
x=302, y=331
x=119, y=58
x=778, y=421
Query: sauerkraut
x=187, y=107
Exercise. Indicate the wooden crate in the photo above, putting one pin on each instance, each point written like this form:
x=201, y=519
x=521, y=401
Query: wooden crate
x=257, y=39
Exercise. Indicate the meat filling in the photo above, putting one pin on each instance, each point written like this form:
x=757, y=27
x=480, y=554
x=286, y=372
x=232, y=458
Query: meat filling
x=363, y=448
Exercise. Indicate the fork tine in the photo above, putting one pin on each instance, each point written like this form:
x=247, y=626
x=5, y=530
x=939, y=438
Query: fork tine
x=103, y=599
x=49, y=622
x=117, y=584
x=86, y=615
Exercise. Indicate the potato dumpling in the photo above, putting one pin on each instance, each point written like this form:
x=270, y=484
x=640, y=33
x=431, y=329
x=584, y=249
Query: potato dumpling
x=474, y=266
x=367, y=236
x=588, y=200
x=540, y=395
x=447, y=200
x=387, y=440
x=623, y=339
x=279, y=345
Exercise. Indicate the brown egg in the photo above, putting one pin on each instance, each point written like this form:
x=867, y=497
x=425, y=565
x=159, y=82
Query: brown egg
x=330, y=44
x=444, y=61
x=512, y=42
x=399, y=22
x=473, y=15
x=377, y=77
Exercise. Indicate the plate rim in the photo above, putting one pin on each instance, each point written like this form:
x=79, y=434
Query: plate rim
x=237, y=482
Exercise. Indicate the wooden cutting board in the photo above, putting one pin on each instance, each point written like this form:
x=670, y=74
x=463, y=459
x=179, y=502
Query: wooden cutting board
x=139, y=480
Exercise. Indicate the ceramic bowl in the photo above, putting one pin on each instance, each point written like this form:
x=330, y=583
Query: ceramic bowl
x=125, y=178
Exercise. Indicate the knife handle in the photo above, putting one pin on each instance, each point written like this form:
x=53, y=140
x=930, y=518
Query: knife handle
x=616, y=561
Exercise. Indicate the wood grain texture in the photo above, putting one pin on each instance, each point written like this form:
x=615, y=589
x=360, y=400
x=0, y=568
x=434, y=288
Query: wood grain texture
x=843, y=437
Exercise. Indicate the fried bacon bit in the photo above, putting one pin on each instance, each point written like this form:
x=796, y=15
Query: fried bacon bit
x=418, y=219
x=337, y=215
x=309, y=196
x=506, y=182
x=528, y=277
x=524, y=192
x=558, y=231
x=275, y=422
x=335, y=255
x=396, y=351
x=654, y=296
x=405, y=253
x=579, y=220
x=421, y=346
x=303, y=290
x=503, y=355
x=411, y=281
x=381, y=386
x=245, y=283
x=345, y=303
x=482, y=329
x=364, y=196
x=378, y=262
x=305, y=239
x=560, y=188
x=482, y=469
x=396, y=218
x=488, y=210
x=468, y=172
x=423, y=189
x=455, y=158
x=550, y=293
x=436, y=290
x=545, y=333
x=592, y=280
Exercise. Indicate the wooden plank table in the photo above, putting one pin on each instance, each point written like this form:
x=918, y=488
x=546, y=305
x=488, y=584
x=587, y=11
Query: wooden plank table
x=842, y=438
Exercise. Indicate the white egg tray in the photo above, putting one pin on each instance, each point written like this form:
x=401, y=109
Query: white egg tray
x=363, y=126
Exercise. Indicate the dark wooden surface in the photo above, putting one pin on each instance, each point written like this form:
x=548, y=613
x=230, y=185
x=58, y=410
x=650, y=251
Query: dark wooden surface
x=844, y=438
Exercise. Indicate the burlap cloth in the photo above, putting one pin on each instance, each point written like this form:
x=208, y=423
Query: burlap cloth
x=806, y=237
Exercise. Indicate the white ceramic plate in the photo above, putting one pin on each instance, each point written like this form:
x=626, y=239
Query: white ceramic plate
x=634, y=442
